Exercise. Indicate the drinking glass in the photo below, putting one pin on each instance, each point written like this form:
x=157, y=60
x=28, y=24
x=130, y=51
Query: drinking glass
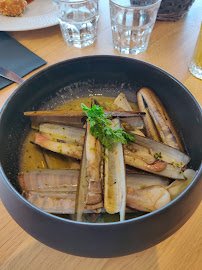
x=78, y=21
x=132, y=22
x=196, y=63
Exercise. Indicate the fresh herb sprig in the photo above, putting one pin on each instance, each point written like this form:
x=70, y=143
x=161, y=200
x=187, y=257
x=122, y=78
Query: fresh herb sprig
x=100, y=127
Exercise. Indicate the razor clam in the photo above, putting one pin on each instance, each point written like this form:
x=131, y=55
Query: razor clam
x=52, y=202
x=140, y=181
x=134, y=122
x=151, y=130
x=61, y=133
x=133, y=147
x=48, y=180
x=89, y=194
x=156, y=158
x=158, y=167
x=114, y=178
x=177, y=187
x=150, y=103
x=64, y=133
x=122, y=102
x=45, y=141
x=56, y=202
x=145, y=156
x=93, y=168
x=71, y=118
x=168, y=161
x=82, y=187
x=147, y=199
x=165, y=152
x=81, y=114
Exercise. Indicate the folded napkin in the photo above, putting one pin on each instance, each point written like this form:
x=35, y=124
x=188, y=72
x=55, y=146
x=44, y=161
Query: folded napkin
x=15, y=57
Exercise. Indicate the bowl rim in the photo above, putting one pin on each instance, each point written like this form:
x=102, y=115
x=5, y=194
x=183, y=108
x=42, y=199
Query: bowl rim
x=119, y=223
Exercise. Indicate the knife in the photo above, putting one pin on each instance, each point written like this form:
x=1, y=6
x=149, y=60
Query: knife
x=10, y=75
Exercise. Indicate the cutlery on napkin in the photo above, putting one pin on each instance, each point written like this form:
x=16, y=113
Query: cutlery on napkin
x=10, y=75
x=16, y=58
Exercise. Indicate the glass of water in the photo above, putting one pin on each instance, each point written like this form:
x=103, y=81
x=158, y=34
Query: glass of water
x=132, y=22
x=78, y=21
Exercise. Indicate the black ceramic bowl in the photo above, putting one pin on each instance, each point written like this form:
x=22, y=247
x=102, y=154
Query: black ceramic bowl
x=107, y=75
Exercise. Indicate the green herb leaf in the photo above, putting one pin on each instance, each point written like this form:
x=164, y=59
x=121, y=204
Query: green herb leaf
x=100, y=127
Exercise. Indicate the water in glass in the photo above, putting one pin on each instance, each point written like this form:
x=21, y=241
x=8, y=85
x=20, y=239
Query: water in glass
x=132, y=26
x=78, y=22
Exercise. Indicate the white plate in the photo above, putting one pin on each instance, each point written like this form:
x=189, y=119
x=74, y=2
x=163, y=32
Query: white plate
x=38, y=14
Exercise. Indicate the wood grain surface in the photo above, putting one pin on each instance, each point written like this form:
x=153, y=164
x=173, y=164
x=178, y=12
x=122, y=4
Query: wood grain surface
x=171, y=47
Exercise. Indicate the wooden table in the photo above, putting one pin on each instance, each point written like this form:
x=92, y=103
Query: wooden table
x=170, y=48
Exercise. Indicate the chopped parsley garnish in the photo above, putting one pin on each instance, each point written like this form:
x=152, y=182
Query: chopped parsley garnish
x=100, y=127
x=158, y=156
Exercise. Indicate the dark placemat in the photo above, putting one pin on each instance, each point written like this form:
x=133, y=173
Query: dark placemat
x=17, y=58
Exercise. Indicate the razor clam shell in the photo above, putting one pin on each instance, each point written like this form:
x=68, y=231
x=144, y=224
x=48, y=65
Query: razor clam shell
x=49, y=180
x=169, y=154
x=86, y=199
x=133, y=147
x=72, y=150
x=134, y=122
x=139, y=181
x=64, y=133
x=60, y=120
x=93, y=167
x=55, y=203
x=71, y=118
x=114, y=178
x=122, y=103
x=80, y=114
x=161, y=119
x=170, y=171
x=146, y=157
x=151, y=130
x=82, y=187
x=177, y=187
